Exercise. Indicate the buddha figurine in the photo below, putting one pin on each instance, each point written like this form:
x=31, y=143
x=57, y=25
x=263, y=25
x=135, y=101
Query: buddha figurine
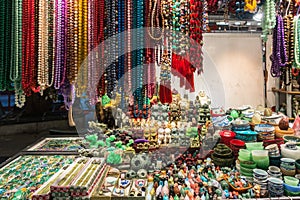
x=175, y=109
x=203, y=99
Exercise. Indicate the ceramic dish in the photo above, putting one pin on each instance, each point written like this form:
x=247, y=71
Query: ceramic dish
x=292, y=181
x=274, y=170
x=297, y=162
x=260, y=174
x=289, y=193
x=275, y=175
x=245, y=128
x=243, y=108
x=289, y=138
x=290, y=153
x=240, y=123
x=274, y=118
x=280, y=133
x=292, y=188
x=276, y=181
x=264, y=128
x=248, y=113
x=287, y=160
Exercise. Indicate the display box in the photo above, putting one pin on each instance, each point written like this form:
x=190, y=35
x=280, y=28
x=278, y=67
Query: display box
x=57, y=144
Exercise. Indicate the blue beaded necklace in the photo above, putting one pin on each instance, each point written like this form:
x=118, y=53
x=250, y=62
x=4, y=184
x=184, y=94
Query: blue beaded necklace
x=121, y=46
x=138, y=58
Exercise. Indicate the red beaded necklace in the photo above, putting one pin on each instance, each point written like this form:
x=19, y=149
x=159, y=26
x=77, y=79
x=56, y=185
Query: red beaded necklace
x=28, y=48
x=100, y=39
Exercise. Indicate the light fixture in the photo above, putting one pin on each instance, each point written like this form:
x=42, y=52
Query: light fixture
x=258, y=16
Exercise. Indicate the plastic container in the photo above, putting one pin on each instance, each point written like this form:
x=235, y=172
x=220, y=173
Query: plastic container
x=246, y=170
x=292, y=181
x=261, y=158
x=263, y=163
x=245, y=154
x=259, y=154
x=248, y=165
x=247, y=136
x=254, y=146
x=236, y=145
x=227, y=136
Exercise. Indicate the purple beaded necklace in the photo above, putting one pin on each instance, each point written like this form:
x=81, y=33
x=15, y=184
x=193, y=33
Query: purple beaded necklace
x=278, y=57
x=60, y=43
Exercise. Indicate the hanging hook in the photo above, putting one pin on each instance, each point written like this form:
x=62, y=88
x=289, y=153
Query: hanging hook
x=288, y=7
x=298, y=11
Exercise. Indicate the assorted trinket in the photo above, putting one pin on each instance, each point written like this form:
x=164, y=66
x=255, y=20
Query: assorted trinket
x=24, y=175
x=58, y=144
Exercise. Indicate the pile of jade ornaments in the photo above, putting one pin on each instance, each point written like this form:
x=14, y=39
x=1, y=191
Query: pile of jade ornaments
x=222, y=156
x=59, y=144
x=24, y=175
x=203, y=181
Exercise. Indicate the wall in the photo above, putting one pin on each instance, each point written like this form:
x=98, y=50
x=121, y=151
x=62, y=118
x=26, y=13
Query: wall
x=233, y=69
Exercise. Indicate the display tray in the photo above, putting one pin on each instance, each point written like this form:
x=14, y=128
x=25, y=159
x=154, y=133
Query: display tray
x=57, y=144
x=21, y=175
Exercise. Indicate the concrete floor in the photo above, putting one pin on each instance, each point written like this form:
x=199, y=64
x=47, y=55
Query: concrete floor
x=13, y=144
x=15, y=138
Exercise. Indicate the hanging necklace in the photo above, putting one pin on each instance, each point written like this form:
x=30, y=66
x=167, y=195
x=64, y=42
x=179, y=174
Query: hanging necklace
x=60, y=43
x=204, y=6
x=176, y=25
x=269, y=18
x=278, y=56
x=129, y=53
x=16, y=68
x=5, y=45
x=3, y=67
x=51, y=44
x=140, y=52
x=296, y=44
x=28, y=47
x=196, y=34
x=101, y=84
x=121, y=46
x=72, y=65
x=184, y=27
x=153, y=26
x=289, y=33
x=43, y=53
x=165, y=94
x=83, y=61
x=92, y=9
x=111, y=56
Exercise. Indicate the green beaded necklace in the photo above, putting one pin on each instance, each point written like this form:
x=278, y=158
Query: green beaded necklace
x=269, y=20
x=16, y=49
x=5, y=44
x=296, y=42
